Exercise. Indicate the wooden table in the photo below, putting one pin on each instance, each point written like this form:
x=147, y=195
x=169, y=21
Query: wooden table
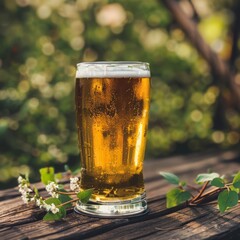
x=19, y=221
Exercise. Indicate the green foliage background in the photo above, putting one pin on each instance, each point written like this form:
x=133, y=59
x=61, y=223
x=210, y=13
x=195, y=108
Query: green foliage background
x=41, y=42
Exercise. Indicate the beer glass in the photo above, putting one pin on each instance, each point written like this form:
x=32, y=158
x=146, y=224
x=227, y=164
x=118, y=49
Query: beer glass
x=112, y=106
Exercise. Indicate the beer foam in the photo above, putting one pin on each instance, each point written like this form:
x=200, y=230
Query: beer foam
x=112, y=69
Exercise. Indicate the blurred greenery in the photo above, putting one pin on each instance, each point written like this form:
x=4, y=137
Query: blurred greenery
x=41, y=42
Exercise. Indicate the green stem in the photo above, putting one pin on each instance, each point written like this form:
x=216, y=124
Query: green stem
x=70, y=201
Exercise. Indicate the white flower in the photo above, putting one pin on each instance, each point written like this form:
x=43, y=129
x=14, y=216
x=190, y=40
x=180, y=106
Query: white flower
x=39, y=202
x=54, y=209
x=74, y=184
x=55, y=195
x=52, y=188
x=25, y=199
x=46, y=206
x=25, y=190
x=50, y=207
x=20, y=179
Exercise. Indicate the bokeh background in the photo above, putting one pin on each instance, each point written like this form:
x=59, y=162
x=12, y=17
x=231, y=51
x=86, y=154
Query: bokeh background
x=42, y=40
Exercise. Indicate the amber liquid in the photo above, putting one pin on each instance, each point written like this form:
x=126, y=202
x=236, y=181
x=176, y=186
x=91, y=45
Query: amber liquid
x=112, y=120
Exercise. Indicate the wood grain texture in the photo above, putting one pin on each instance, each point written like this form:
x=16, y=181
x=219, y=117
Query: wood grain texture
x=19, y=221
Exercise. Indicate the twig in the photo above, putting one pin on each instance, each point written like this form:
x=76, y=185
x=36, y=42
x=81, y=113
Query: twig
x=70, y=201
x=66, y=193
x=206, y=196
x=200, y=193
x=211, y=192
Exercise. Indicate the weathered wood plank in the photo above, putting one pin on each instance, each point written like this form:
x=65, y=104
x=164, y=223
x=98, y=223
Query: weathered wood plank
x=19, y=221
x=13, y=233
x=187, y=223
x=154, y=225
x=83, y=226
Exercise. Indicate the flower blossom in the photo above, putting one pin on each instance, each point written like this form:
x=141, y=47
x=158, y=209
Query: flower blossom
x=54, y=209
x=20, y=179
x=39, y=202
x=51, y=207
x=74, y=184
x=52, y=188
x=24, y=189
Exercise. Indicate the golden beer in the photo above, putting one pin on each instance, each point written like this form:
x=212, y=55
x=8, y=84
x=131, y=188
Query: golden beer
x=112, y=108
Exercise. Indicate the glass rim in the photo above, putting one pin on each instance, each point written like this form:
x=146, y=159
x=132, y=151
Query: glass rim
x=113, y=63
x=108, y=69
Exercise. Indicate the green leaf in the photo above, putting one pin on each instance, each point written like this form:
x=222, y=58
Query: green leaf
x=170, y=177
x=51, y=200
x=227, y=199
x=236, y=184
x=204, y=177
x=217, y=182
x=65, y=198
x=235, y=189
x=85, y=195
x=51, y=217
x=63, y=212
x=57, y=216
x=236, y=180
x=47, y=175
x=177, y=196
x=58, y=176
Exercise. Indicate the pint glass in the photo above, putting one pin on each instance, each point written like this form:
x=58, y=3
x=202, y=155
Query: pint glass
x=112, y=106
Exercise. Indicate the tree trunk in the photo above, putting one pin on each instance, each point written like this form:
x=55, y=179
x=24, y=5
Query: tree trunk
x=220, y=70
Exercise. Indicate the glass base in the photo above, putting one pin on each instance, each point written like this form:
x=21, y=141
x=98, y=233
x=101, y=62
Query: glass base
x=130, y=208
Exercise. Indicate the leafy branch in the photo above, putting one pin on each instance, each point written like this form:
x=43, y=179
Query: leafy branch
x=227, y=193
x=56, y=206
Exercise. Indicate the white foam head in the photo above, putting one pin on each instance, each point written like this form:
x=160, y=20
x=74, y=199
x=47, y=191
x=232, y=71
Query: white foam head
x=112, y=69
